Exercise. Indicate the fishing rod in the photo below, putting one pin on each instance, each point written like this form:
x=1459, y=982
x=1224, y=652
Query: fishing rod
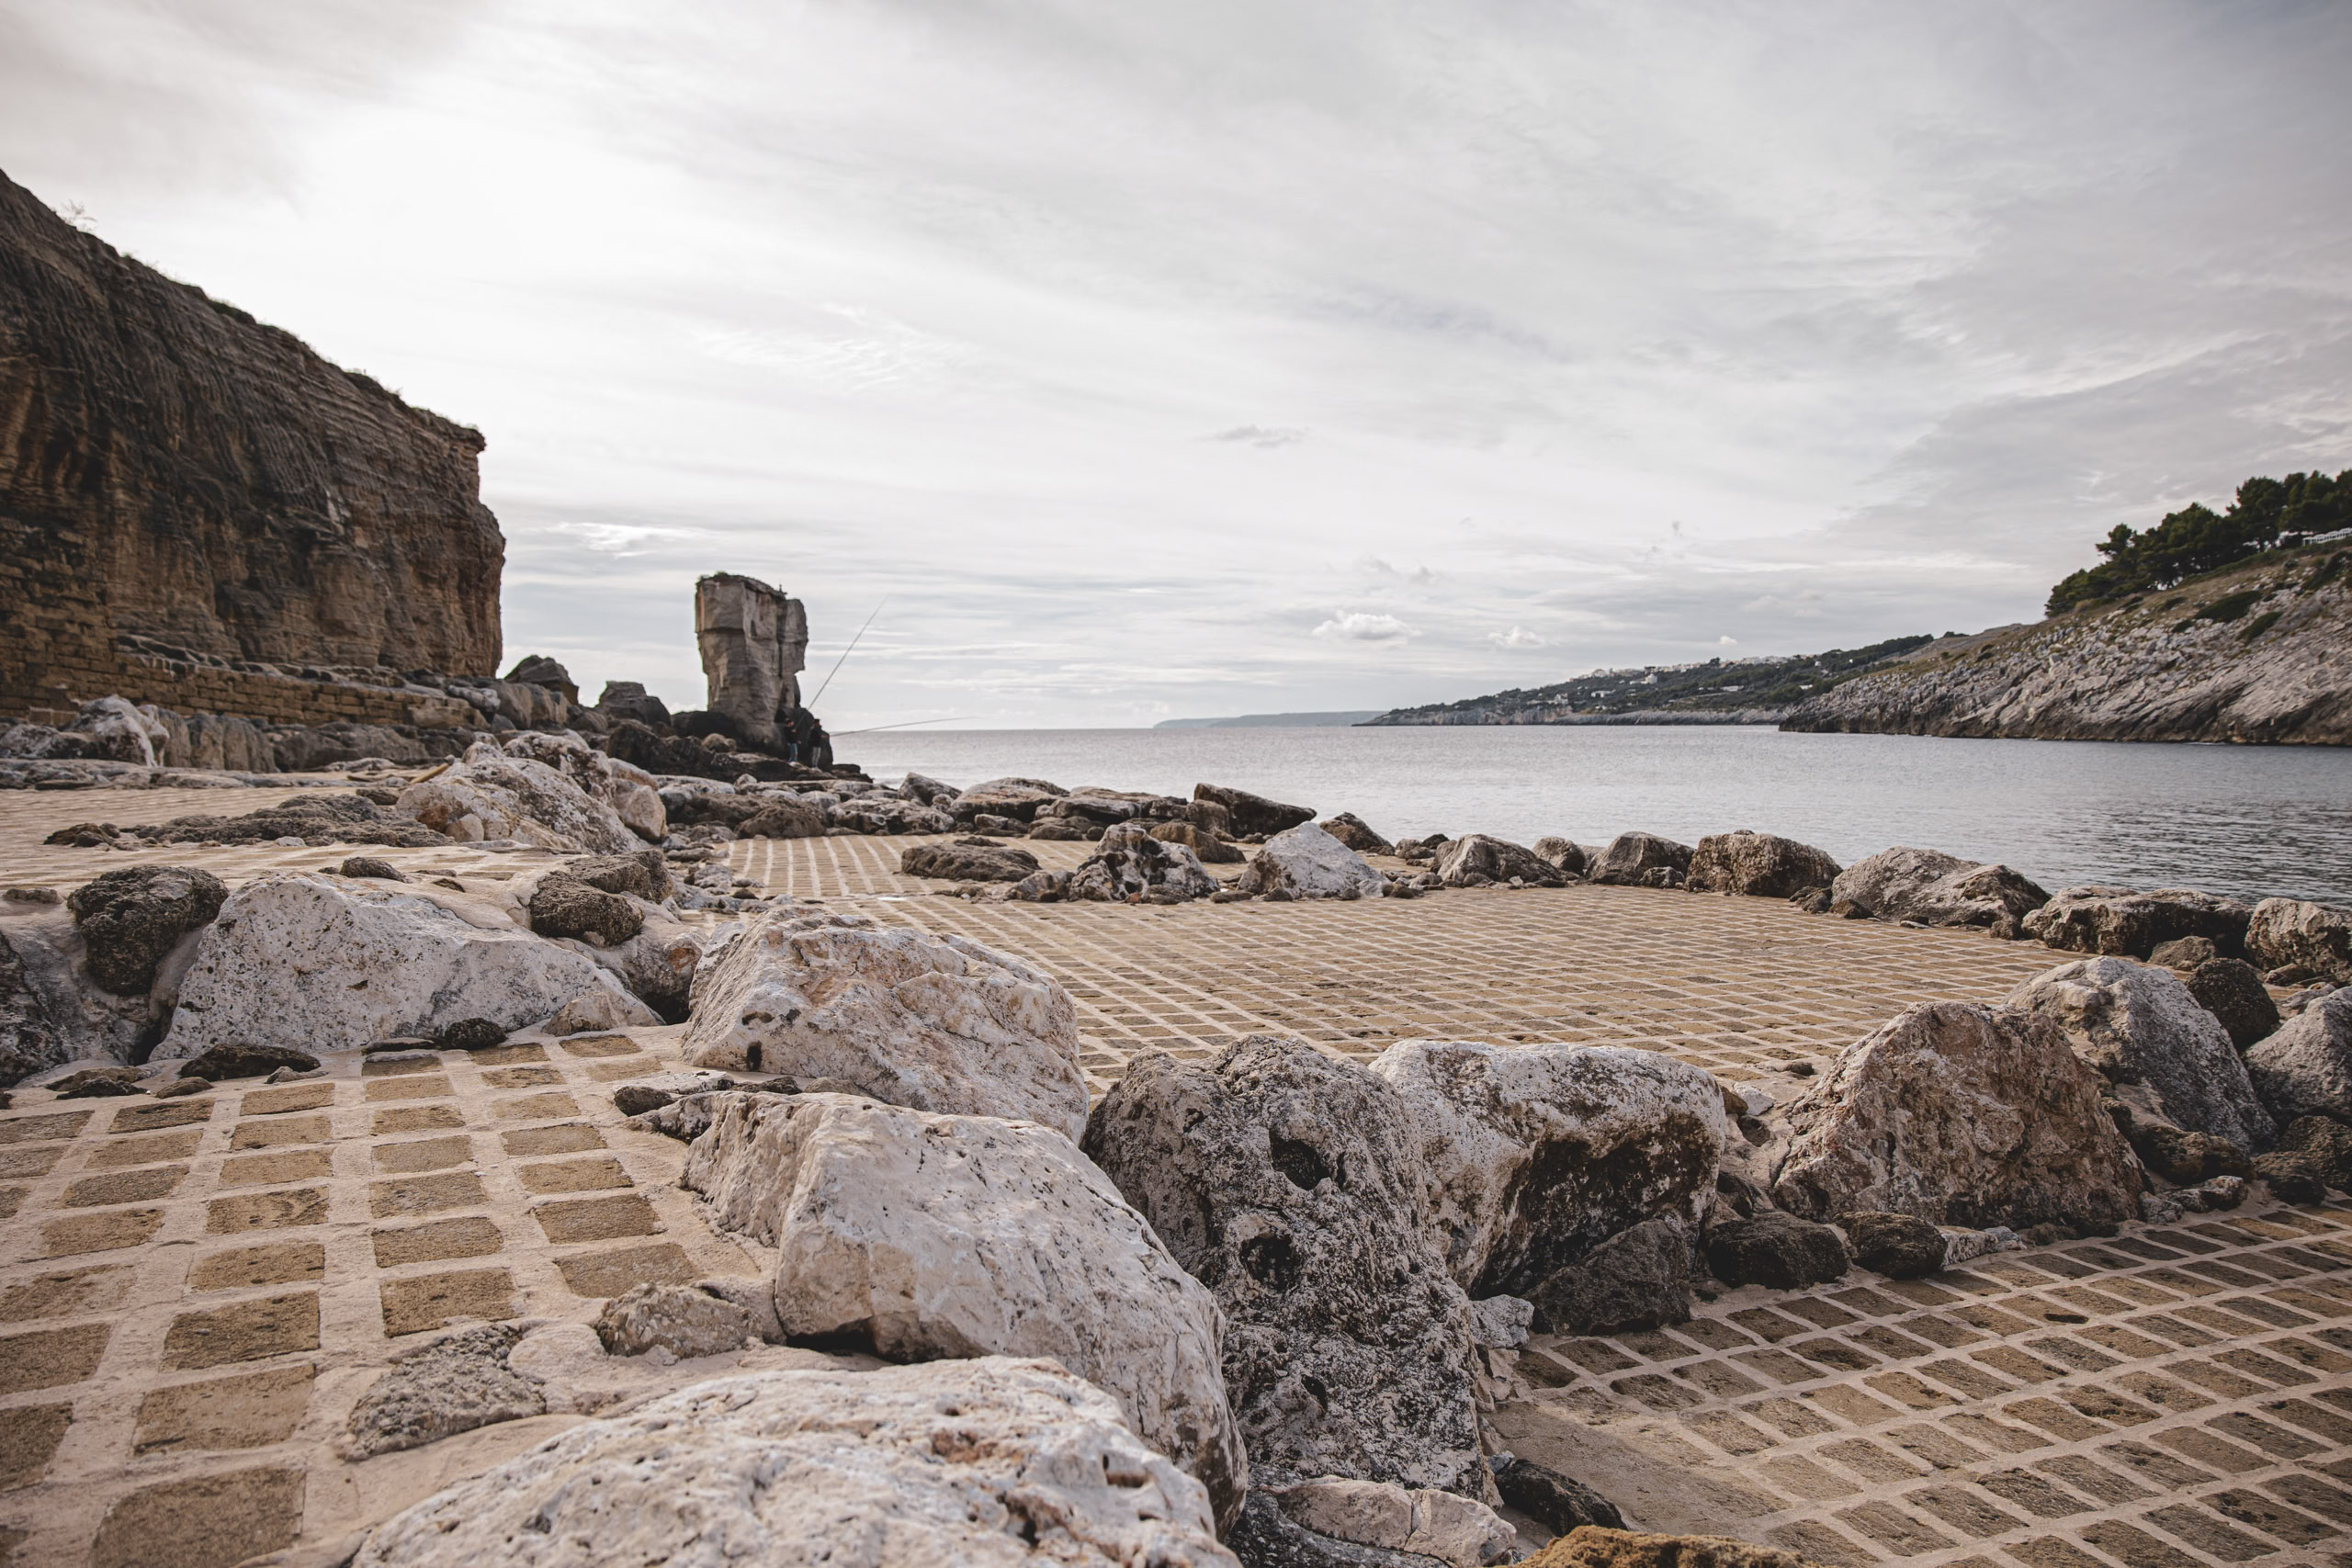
x=845, y=653
x=908, y=724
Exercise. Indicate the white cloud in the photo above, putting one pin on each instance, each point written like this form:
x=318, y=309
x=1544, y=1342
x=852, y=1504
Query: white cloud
x=1357, y=626
x=1518, y=637
x=621, y=538
x=1726, y=642
x=1260, y=435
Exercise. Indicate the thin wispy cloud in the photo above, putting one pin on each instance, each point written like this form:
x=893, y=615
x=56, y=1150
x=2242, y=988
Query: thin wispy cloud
x=1359, y=626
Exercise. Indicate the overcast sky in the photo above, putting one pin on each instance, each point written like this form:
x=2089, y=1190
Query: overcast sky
x=1170, y=360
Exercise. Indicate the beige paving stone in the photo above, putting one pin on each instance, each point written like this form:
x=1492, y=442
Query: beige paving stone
x=265, y=1210
x=104, y=1231
x=596, y=1219
x=207, y=1522
x=269, y=1169
x=291, y=1096
x=415, y=1119
x=431, y=1086
x=423, y=1154
x=535, y=1108
x=600, y=1045
x=430, y=1300
x=29, y=1436
x=251, y=1410
x=178, y=1112
x=426, y=1194
x=243, y=1331
x=274, y=1263
x=471, y=1235
x=603, y=1275
x=38, y=1129
x=276, y=1132
x=572, y=1176
x=569, y=1138
x=51, y=1357
x=506, y=1056
x=69, y=1292
x=123, y=1187
x=115, y=1155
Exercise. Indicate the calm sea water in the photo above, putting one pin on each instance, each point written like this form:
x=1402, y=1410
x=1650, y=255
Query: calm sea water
x=2252, y=821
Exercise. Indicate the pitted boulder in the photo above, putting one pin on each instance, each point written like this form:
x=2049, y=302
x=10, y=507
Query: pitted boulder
x=563, y=906
x=937, y=1236
x=968, y=863
x=2122, y=923
x=1249, y=813
x=2306, y=1069
x=1132, y=863
x=1964, y=1115
x=1357, y=834
x=1016, y=799
x=1288, y=1184
x=454, y=1384
x=1632, y=860
x=904, y=1467
x=2161, y=1053
x=1901, y=1246
x=1638, y=1279
x=934, y=1022
x=2234, y=993
x=1762, y=865
x=1537, y=1154
x=674, y=1319
x=2295, y=933
x=642, y=874
x=1937, y=889
x=782, y=817
x=1307, y=862
x=489, y=795
x=1566, y=854
x=1475, y=860
x=128, y=919
x=1776, y=1250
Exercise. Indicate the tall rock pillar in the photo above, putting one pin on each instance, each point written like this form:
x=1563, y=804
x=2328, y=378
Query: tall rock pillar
x=755, y=642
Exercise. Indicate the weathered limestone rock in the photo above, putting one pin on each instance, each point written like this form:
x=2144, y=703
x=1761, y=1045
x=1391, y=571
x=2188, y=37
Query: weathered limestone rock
x=489, y=795
x=629, y=699
x=1132, y=864
x=1962, y=1115
x=1249, y=813
x=1537, y=1154
x=1638, y=1279
x=182, y=473
x=1456, y=1531
x=62, y=1014
x=1475, y=859
x=1777, y=1250
x=1634, y=859
x=2306, y=1069
x=455, y=1384
x=937, y=1236
x=2326, y=1143
x=316, y=819
x=1357, y=834
x=1593, y=1547
x=993, y=1463
x=754, y=643
x=1559, y=1502
x=1285, y=1182
x=2123, y=923
x=28, y=1040
x=2233, y=992
x=376, y=963
x=1307, y=862
x=2183, y=953
x=130, y=918
x=564, y=906
x=1015, y=799
x=1762, y=865
x=2291, y=932
x=1937, y=889
x=881, y=814
x=246, y=1061
x=1201, y=841
x=539, y=669
x=1901, y=1246
x=630, y=790
x=783, y=816
x=1565, y=854
x=938, y=1023
x=672, y=1319
x=968, y=863
x=2162, y=1053
x=642, y=874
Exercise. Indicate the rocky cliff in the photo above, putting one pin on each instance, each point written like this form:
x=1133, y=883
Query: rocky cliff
x=2260, y=651
x=174, y=472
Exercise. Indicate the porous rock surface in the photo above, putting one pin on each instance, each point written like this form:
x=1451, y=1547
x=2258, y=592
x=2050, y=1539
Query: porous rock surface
x=28, y=1039
x=968, y=863
x=630, y=790
x=2294, y=932
x=1357, y=834
x=454, y=1384
x=1902, y=1246
x=1287, y=1183
x=1460, y=862
x=1460, y=1533
x=1248, y=813
x=1537, y=1154
x=935, y=1236
x=1964, y=1115
x=1633, y=858
x=993, y=1463
x=753, y=640
x=130, y=918
x=1762, y=865
x=1638, y=1279
x=681, y=1321
x=2233, y=992
x=1591, y=1546
x=933, y=1022
x=2306, y=1069
x=1775, y=1250
x=2120, y=922
x=782, y=817
x=375, y=962
x=1937, y=889
x=562, y=905
x=2161, y=1053
x=1307, y=862
x=1132, y=863
x=1016, y=799
x=489, y=795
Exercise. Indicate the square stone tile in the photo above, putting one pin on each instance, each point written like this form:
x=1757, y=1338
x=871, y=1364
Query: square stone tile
x=67, y=1293
x=272, y=1263
x=596, y=1219
x=600, y=1045
x=508, y=1056
x=155, y=1117
x=30, y=1159
x=470, y=1235
x=29, y=1436
x=568, y=1139
x=242, y=1331
x=432, y=1086
x=124, y=1187
x=415, y=1119
x=153, y=1148
x=277, y=1131
x=103, y=1231
x=269, y=1169
x=399, y=1067
x=430, y=1300
x=573, y=1176
x=52, y=1357
x=423, y=1154
x=42, y=1129
x=246, y=1411
x=521, y=1077
x=426, y=1194
x=286, y=1097
x=536, y=1108
x=265, y=1210
x=209, y=1521
x=599, y=1276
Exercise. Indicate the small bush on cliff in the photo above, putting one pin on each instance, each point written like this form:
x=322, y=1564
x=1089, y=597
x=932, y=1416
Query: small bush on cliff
x=2198, y=539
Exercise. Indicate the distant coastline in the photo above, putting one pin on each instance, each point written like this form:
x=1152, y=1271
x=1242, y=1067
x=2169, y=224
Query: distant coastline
x=1340, y=720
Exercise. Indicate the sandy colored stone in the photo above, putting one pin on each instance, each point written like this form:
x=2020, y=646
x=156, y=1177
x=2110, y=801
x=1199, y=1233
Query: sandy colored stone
x=600, y=1045
x=432, y=1085
x=1761, y=865
x=470, y=1235
x=404, y=1065
x=268, y=1169
x=99, y=1232
x=265, y=1210
x=573, y=1176
x=521, y=1077
x=436, y=1390
x=170, y=1114
x=277, y=1132
x=1590, y=1546
x=272, y=1263
x=242, y=1331
x=570, y=1138
x=50, y=1357
x=683, y=1322
x=29, y=1436
x=489, y=795
x=70, y=1292
x=423, y=1154
x=601, y=1275
x=415, y=1119
x=507, y=1056
x=1457, y=1531
x=123, y=1187
x=536, y=1107
x=210, y=1521
x=39, y=1160
x=40, y=1129
x=247, y=1411
x=291, y=1096
x=596, y=1219
x=426, y=1194
x=429, y=1300
x=114, y=1155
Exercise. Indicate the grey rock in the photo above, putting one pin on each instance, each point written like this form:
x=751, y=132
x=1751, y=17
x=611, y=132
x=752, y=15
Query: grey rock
x=1010, y=799
x=2292, y=931
x=1266, y=1537
x=454, y=1384
x=1134, y=864
x=1475, y=860
x=1777, y=1250
x=783, y=816
x=1307, y=862
x=370, y=867
x=2306, y=1069
x=677, y=1319
x=1287, y=1182
x=642, y=873
x=2183, y=953
x=928, y=791
x=755, y=642
x=2326, y=1143
x=1937, y=890
x=28, y=1038
x=225, y=1062
x=1901, y=1246
x=2234, y=993
x=629, y=699
x=2185, y=1158
x=2293, y=1176
x=2120, y=922
x=1248, y=813
x=968, y=863
x=1559, y=1502
x=470, y=1035
x=1563, y=853
x=130, y=918
x=563, y=906
x=1762, y=865
x=1357, y=834
x=1638, y=1279
x=1633, y=857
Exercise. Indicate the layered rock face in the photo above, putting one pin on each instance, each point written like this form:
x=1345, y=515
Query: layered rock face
x=174, y=471
x=2259, y=653
x=755, y=642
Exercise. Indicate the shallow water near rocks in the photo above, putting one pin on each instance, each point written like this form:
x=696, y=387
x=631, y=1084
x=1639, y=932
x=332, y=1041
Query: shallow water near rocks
x=2250, y=821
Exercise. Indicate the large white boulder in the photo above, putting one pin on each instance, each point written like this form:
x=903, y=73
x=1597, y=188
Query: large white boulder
x=935, y=1022
x=992, y=1463
x=938, y=1236
x=1537, y=1154
x=633, y=794
x=487, y=794
x=326, y=964
x=2160, y=1051
x=2306, y=1069
x=2284, y=932
x=1307, y=862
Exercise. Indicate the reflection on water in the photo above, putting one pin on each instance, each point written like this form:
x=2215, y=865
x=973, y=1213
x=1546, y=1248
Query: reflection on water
x=2253, y=821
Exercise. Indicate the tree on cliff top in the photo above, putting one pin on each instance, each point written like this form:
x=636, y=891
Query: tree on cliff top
x=2198, y=539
